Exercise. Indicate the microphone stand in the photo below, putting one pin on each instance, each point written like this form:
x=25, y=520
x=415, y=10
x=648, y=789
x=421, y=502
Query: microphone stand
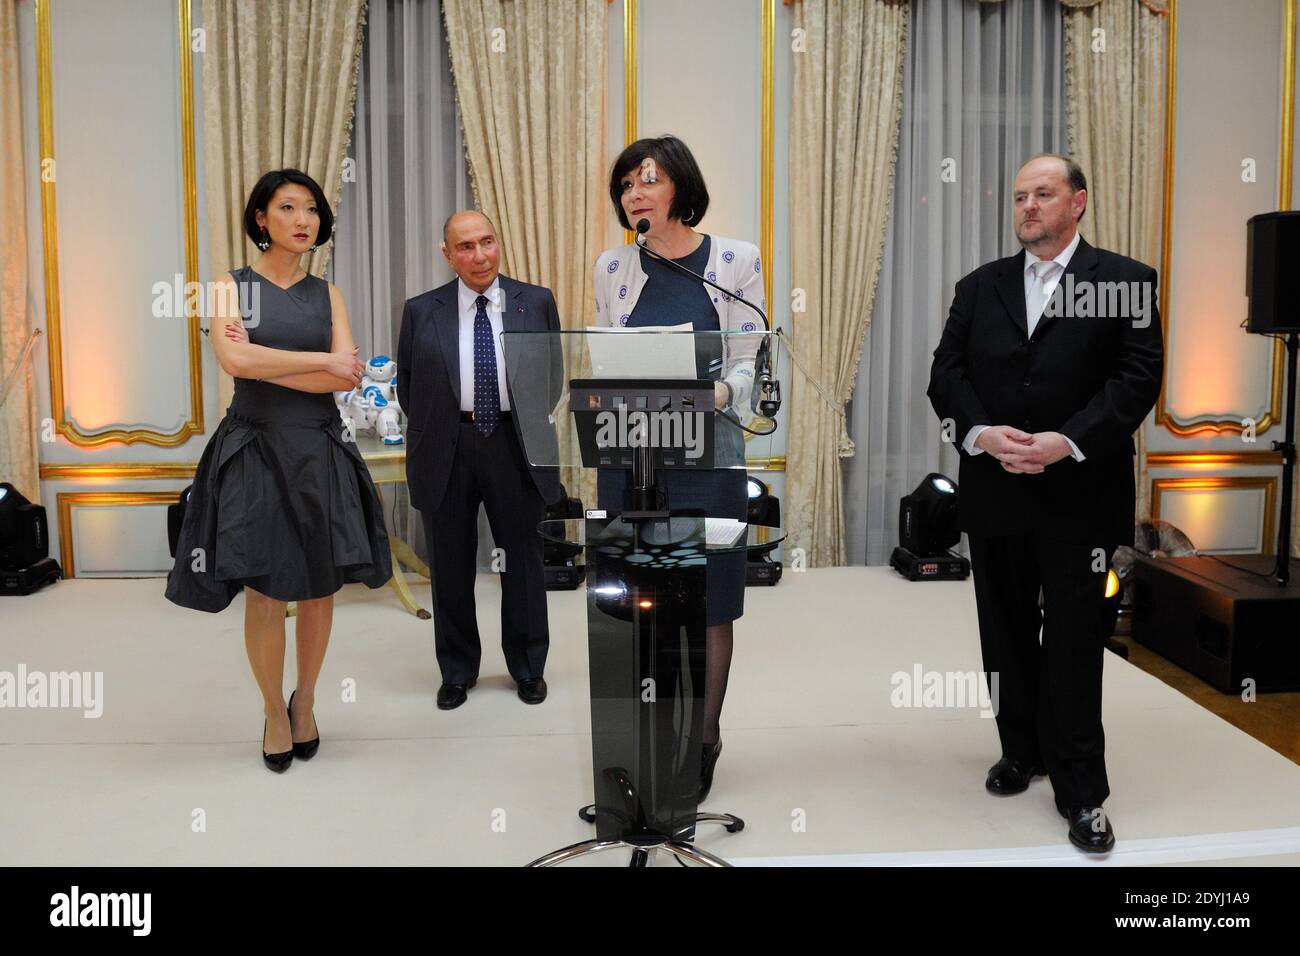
x=1282, y=570
x=767, y=400
x=767, y=391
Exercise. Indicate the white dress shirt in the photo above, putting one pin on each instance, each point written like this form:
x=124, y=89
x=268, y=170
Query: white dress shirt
x=468, y=310
x=1036, y=302
x=1036, y=298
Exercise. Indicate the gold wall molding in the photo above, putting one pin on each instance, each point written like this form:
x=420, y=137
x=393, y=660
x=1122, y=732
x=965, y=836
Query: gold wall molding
x=1288, y=104
x=629, y=85
x=50, y=248
x=1177, y=459
x=119, y=470
x=1164, y=418
x=629, y=72
x=768, y=168
x=67, y=500
x=1221, y=483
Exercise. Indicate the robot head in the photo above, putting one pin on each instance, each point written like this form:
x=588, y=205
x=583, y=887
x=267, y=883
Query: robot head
x=381, y=368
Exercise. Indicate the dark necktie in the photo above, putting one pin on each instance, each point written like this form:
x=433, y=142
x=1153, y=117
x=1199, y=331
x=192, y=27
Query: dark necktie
x=487, y=398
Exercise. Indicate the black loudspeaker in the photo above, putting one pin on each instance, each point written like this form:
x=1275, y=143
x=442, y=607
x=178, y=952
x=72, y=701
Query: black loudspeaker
x=562, y=565
x=1272, y=276
x=1226, y=621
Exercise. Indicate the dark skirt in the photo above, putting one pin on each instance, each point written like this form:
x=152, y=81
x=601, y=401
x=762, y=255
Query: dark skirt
x=719, y=493
x=280, y=503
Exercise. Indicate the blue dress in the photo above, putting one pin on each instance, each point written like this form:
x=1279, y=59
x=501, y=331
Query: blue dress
x=670, y=298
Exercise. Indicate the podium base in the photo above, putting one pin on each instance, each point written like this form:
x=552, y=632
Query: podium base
x=644, y=850
x=642, y=853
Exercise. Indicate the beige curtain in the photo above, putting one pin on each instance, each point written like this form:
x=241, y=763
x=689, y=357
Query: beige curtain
x=19, y=460
x=530, y=82
x=279, y=81
x=848, y=97
x=1115, y=102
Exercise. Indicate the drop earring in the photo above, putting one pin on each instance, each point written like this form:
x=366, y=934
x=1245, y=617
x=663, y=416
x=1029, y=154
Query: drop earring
x=265, y=242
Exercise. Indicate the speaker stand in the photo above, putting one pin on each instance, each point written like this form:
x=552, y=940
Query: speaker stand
x=1282, y=570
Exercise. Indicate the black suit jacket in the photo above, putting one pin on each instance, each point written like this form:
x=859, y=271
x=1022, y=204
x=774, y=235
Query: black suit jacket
x=1091, y=379
x=428, y=385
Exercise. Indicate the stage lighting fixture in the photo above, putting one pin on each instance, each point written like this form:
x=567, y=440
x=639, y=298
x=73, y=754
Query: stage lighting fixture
x=25, y=564
x=562, y=567
x=1110, y=614
x=764, y=508
x=927, y=531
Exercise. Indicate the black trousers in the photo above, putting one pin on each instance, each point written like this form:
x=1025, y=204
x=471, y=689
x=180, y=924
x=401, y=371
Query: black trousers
x=491, y=471
x=1048, y=694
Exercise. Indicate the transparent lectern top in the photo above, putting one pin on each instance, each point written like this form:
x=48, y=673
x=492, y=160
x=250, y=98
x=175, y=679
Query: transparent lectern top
x=593, y=397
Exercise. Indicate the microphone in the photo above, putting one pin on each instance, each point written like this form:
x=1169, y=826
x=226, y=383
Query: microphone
x=766, y=397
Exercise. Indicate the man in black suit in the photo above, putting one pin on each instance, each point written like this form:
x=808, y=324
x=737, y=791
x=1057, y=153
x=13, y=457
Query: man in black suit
x=1049, y=361
x=465, y=448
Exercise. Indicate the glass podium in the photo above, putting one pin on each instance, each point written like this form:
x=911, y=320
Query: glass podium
x=645, y=402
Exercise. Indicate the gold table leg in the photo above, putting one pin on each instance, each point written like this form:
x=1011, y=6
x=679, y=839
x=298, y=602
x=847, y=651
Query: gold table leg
x=406, y=554
x=398, y=580
x=387, y=467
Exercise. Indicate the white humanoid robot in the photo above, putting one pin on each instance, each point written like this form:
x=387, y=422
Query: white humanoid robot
x=373, y=406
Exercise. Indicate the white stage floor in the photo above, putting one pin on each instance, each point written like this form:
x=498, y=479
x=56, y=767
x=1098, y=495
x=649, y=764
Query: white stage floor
x=816, y=759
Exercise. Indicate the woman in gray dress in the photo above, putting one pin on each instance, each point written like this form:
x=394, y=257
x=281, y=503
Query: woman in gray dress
x=282, y=505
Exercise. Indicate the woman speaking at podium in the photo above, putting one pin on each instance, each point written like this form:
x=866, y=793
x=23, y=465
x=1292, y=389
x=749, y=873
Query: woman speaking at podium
x=657, y=189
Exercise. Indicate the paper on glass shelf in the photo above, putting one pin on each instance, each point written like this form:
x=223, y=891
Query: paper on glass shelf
x=723, y=532
x=639, y=353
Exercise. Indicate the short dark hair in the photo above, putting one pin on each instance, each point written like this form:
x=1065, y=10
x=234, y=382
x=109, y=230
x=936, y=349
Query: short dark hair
x=690, y=199
x=261, y=195
x=1073, y=173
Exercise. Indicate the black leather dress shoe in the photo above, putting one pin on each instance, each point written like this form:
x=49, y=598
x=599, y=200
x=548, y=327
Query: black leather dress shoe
x=451, y=696
x=1090, y=828
x=533, y=690
x=1009, y=776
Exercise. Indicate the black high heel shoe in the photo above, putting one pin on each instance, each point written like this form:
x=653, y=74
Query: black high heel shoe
x=709, y=760
x=277, y=762
x=307, y=749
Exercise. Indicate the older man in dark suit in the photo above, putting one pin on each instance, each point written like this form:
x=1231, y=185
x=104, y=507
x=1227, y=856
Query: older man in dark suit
x=1049, y=361
x=466, y=448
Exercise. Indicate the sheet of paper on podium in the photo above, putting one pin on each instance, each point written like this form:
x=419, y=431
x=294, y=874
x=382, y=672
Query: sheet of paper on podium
x=639, y=353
